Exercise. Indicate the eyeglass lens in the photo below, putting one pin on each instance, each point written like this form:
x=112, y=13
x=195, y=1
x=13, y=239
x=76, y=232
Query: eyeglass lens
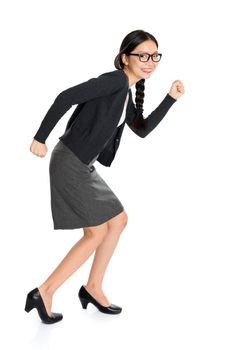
x=144, y=57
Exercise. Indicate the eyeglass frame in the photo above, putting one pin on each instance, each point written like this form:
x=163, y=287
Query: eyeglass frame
x=149, y=56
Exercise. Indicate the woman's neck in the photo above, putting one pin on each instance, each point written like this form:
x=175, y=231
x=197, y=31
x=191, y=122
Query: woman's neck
x=132, y=79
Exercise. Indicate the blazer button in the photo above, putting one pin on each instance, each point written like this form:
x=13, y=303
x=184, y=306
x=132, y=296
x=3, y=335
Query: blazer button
x=117, y=140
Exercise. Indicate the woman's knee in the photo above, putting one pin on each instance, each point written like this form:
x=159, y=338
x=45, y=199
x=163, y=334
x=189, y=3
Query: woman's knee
x=124, y=218
x=119, y=221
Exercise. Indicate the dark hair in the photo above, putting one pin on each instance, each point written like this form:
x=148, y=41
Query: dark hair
x=128, y=44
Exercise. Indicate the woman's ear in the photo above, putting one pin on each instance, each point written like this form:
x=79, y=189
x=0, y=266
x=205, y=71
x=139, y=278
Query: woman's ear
x=124, y=59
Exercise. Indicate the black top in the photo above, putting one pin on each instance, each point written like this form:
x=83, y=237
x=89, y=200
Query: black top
x=94, y=121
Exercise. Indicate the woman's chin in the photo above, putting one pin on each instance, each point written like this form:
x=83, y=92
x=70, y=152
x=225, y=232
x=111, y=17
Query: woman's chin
x=146, y=76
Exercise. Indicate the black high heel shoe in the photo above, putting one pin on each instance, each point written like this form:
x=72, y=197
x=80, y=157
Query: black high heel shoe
x=34, y=300
x=86, y=298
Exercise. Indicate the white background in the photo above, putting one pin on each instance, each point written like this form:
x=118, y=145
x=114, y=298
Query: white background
x=172, y=271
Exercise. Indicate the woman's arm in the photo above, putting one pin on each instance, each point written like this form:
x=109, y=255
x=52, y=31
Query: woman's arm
x=149, y=123
x=106, y=83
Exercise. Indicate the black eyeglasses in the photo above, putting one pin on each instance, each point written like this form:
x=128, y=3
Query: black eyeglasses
x=144, y=57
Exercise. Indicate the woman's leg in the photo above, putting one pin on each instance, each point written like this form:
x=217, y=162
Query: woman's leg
x=102, y=257
x=79, y=253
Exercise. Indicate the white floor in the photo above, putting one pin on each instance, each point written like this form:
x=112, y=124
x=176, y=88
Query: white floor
x=176, y=293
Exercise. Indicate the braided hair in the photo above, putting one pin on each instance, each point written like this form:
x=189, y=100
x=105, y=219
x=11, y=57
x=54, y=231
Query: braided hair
x=128, y=44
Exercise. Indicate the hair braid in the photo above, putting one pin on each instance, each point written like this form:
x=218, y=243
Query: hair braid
x=139, y=99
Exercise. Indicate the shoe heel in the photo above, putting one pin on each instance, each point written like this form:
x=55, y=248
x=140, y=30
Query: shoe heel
x=84, y=303
x=29, y=305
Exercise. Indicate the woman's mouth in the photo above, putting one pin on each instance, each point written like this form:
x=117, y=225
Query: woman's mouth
x=146, y=70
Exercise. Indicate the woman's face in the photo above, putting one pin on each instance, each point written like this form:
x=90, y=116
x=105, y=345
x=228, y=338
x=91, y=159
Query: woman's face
x=141, y=70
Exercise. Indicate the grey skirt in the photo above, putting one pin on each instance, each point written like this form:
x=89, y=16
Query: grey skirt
x=79, y=195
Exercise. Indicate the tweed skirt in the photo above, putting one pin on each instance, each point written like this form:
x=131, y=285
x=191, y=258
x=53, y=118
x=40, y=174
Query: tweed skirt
x=79, y=195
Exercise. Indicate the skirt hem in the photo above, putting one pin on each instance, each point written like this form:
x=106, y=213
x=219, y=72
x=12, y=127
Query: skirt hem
x=96, y=223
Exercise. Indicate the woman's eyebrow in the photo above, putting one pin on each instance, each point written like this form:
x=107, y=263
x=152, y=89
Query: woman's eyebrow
x=148, y=52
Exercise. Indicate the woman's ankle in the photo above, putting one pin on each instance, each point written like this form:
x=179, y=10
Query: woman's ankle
x=46, y=290
x=97, y=287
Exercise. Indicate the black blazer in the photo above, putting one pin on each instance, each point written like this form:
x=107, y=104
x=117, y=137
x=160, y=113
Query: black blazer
x=92, y=127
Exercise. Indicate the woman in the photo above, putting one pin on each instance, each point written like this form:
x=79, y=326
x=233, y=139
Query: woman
x=80, y=198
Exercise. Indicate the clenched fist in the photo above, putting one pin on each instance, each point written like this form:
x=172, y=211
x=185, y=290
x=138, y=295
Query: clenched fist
x=38, y=148
x=177, y=89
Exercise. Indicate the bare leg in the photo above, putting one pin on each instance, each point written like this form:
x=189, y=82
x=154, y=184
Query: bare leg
x=102, y=257
x=79, y=253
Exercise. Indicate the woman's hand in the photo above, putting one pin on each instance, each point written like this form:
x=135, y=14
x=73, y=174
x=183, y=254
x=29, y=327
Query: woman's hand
x=177, y=89
x=38, y=148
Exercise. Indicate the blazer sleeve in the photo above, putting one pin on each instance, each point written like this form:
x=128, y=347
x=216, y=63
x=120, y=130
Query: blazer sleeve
x=104, y=84
x=149, y=123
